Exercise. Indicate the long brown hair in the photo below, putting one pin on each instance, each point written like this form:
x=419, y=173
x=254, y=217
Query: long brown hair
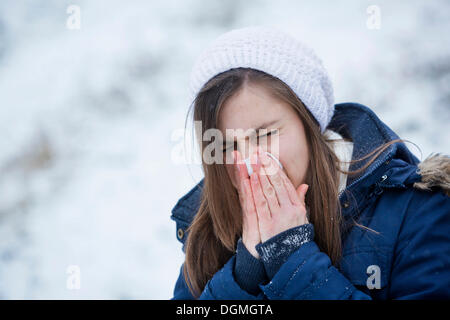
x=217, y=225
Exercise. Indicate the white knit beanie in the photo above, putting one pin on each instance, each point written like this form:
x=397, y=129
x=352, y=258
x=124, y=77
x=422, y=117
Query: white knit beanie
x=275, y=52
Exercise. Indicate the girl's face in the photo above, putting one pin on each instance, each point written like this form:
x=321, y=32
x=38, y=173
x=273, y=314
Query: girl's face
x=254, y=107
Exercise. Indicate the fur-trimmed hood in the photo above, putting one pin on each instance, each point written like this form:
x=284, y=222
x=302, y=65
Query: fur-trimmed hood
x=435, y=173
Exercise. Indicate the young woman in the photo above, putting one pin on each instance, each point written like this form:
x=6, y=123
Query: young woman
x=351, y=213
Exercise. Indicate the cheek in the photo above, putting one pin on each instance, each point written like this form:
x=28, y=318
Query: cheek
x=295, y=158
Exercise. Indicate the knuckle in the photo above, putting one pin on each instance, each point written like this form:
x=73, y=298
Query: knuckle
x=270, y=191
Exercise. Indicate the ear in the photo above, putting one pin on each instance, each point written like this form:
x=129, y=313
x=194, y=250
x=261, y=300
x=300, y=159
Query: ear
x=301, y=192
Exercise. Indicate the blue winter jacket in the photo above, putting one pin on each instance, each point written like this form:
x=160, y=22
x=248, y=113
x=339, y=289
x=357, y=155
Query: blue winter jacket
x=406, y=201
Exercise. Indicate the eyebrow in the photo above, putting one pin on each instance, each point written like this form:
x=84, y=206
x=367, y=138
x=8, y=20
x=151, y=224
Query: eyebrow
x=262, y=126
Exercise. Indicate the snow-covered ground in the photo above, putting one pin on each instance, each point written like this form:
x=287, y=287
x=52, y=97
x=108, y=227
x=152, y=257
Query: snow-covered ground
x=90, y=122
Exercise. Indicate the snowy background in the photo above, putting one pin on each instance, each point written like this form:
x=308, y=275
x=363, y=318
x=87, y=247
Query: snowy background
x=91, y=122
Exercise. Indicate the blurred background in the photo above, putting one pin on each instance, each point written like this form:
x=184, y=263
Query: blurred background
x=93, y=99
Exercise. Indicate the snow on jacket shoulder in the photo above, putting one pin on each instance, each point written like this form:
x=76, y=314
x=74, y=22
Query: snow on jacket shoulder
x=404, y=251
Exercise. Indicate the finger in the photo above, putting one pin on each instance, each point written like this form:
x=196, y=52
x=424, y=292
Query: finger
x=269, y=192
x=244, y=190
x=255, y=162
x=242, y=167
x=292, y=192
x=250, y=204
x=270, y=166
x=301, y=192
x=262, y=208
x=250, y=221
x=250, y=209
x=241, y=170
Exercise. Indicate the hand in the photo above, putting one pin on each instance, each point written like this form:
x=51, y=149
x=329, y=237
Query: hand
x=279, y=206
x=250, y=229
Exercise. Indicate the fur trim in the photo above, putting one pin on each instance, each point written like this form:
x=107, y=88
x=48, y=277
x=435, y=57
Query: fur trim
x=435, y=172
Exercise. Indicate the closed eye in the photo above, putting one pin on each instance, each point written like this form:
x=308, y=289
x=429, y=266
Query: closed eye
x=268, y=133
x=274, y=131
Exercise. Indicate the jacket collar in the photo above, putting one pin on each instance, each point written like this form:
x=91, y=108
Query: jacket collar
x=367, y=132
x=394, y=167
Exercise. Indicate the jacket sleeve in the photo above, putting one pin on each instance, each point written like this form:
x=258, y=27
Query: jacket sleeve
x=421, y=266
x=309, y=274
x=248, y=271
x=276, y=250
x=222, y=286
